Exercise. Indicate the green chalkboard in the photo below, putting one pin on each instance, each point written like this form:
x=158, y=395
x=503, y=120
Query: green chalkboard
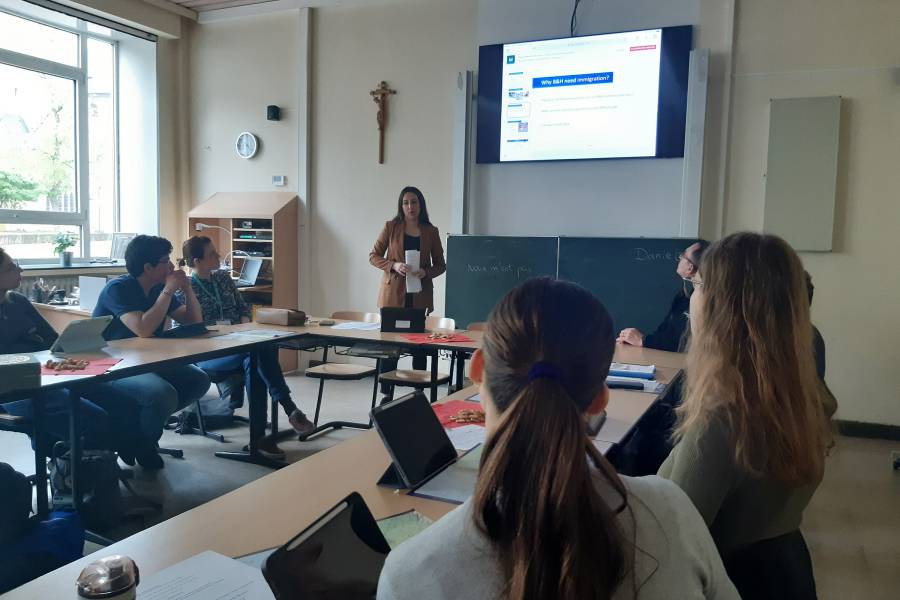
x=481, y=269
x=634, y=277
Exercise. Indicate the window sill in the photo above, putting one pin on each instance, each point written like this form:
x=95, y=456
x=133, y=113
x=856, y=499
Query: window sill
x=76, y=268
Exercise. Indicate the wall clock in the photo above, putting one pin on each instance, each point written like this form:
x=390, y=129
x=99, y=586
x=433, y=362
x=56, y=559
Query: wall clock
x=246, y=145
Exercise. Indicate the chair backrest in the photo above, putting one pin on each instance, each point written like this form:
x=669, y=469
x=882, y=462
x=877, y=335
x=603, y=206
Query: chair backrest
x=433, y=323
x=477, y=326
x=353, y=315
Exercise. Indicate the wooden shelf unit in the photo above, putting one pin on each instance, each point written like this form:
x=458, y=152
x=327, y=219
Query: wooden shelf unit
x=276, y=214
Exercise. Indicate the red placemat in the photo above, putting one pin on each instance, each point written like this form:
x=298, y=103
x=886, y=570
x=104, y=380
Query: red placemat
x=446, y=410
x=424, y=338
x=97, y=366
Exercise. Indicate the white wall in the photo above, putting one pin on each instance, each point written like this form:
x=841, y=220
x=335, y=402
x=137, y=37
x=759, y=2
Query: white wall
x=237, y=68
x=823, y=48
x=590, y=198
x=417, y=47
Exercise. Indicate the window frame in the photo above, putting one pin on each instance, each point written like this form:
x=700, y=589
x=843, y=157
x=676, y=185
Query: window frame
x=79, y=76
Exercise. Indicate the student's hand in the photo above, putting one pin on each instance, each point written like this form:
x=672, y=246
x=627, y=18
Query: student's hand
x=419, y=274
x=177, y=280
x=401, y=268
x=631, y=336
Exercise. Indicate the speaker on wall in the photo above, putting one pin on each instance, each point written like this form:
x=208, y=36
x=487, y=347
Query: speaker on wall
x=273, y=113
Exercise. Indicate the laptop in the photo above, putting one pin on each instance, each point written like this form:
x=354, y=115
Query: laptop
x=117, y=247
x=339, y=556
x=84, y=335
x=402, y=320
x=249, y=272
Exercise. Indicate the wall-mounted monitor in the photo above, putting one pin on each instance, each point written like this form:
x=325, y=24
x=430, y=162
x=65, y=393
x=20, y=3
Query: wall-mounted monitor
x=615, y=95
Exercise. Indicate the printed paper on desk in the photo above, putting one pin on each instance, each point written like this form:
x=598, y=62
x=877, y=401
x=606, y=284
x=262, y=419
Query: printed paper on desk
x=413, y=283
x=358, y=325
x=466, y=437
x=206, y=576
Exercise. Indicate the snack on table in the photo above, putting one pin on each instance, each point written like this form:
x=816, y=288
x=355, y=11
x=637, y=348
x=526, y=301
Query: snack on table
x=67, y=364
x=440, y=336
x=468, y=416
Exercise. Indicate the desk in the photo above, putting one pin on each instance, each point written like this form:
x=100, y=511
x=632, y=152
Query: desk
x=59, y=316
x=270, y=510
x=625, y=409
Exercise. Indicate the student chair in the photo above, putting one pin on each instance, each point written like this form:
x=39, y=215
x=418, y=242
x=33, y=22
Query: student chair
x=230, y=385
x=418, y=379
x=25, y=426
x=347, y=371
x=464, y=356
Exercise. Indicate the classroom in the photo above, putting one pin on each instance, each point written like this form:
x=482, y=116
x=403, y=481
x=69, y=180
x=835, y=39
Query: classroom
x=332, y=299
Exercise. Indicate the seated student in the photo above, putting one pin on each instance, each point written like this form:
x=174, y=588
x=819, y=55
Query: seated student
x=141, y=301
x=23, y=329
x=753, y=427
x=670, y=335
x=220, y=300
x=550, y=518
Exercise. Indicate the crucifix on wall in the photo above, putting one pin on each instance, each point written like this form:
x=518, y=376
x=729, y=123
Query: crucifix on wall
x=380, y=95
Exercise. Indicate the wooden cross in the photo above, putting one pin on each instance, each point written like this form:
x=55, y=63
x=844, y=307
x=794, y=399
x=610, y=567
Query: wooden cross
x=380, y=95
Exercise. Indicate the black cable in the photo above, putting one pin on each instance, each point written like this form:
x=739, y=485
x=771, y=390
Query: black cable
x=573, y=23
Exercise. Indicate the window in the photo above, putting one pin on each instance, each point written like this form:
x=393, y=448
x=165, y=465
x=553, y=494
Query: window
x=59, y=155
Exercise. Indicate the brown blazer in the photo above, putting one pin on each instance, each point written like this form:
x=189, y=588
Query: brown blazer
x=388, y=250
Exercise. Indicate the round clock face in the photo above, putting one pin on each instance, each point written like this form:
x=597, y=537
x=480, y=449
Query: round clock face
x=246, y=145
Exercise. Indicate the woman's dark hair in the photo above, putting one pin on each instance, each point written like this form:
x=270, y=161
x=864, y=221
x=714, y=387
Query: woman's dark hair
x=193, y=249
x=145, y=250
x=547, y=349
x=423, y=209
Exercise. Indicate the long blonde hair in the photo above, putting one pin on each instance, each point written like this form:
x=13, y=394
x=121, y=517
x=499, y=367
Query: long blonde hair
x=750, y=360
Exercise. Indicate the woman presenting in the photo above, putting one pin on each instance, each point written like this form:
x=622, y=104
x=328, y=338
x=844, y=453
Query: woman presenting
x=409, y=230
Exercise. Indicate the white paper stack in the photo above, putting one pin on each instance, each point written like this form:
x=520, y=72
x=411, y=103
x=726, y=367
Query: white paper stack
x=413, y=283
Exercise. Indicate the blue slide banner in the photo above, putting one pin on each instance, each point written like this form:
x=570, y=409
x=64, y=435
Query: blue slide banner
x=566, y=80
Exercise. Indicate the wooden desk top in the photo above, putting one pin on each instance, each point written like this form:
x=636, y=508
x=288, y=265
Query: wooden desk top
x=69, y=309
x=625, y=409
x=272, y=509
x=259, y=515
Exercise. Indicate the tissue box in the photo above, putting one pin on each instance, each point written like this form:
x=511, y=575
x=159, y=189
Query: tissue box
x=19, y=372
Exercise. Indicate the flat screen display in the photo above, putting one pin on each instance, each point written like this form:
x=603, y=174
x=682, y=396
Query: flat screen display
x=616, y=95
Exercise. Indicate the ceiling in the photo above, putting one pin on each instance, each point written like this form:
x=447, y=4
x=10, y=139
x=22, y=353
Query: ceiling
x=204, y=5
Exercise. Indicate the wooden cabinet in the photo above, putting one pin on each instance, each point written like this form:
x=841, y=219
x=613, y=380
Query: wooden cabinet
x=264, y=225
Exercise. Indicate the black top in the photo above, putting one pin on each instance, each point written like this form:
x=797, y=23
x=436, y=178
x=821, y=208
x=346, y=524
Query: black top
x=670, y=335
x=411, y=242
x=22, y=328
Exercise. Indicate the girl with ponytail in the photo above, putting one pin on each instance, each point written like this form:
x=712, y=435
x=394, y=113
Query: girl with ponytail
x=550, y=519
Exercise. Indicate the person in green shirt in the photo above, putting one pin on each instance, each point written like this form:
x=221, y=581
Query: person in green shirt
x=753, y=430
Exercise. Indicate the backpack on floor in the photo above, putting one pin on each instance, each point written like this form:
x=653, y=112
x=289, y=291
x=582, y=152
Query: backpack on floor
x=102, y=504
x=15, y=503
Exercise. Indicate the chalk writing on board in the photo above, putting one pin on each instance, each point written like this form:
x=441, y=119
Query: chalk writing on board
x=644, y=255
x=499, y=267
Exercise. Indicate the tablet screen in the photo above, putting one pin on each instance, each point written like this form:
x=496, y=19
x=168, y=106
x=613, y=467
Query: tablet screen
x=414, y=437
x=339, y=556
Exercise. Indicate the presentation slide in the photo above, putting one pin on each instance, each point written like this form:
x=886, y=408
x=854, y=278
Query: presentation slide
x=583, y=97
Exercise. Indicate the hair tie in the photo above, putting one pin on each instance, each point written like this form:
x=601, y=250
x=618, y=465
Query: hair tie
x=544, y=370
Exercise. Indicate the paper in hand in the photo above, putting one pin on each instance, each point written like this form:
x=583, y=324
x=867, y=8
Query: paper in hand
x=413, y=283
